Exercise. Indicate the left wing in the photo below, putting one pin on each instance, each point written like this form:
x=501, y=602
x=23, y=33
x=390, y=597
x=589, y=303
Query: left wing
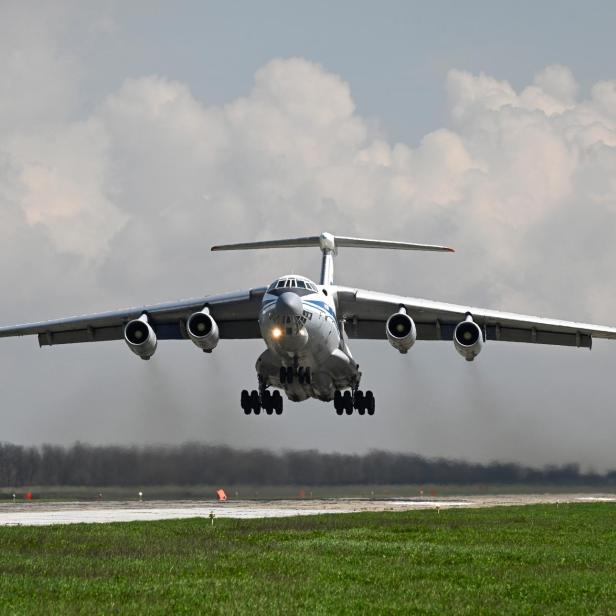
x=235, y=313
x=365, y=314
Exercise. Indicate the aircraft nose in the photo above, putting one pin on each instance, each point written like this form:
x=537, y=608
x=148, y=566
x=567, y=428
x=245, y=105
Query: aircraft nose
x=290, y=304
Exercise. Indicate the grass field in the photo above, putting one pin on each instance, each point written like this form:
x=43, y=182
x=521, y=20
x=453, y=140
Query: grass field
x=539, y=559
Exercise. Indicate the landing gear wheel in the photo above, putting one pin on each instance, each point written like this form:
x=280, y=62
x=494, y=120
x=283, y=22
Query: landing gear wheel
x=347, y=402
x=338, y=405
x=277, y=402
x=283, y=375
x=267, y=402
x=289, y=375
x=370, y=402
x=255, y=403
x=359, y=402
x=304, y=376
x=245, y=402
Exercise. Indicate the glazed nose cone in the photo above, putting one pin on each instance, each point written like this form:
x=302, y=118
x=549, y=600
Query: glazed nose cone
x=289, y=304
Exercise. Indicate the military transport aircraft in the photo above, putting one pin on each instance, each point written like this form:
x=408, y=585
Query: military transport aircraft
x=306, y=327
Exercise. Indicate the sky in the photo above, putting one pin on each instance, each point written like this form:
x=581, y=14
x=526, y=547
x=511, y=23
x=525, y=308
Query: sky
x=133, y=136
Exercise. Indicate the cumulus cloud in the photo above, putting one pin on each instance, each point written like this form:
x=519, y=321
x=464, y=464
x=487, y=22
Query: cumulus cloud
x=118, y=202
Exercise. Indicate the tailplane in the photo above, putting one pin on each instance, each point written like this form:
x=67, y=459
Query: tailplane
x=329, y=245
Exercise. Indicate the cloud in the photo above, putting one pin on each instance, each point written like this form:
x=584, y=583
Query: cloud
x=117, y=202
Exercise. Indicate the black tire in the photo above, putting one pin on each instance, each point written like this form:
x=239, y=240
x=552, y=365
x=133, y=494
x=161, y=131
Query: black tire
x=255, y=403
x=245, y=402
x=308, y=376
x=283, y=375
x=339, y=411
x=347, y=401
x=358, y=399
x=289, y=376
x=370, y=402
x=277, y=402
x=300, y=376
x=266, y=401
x=338, y=402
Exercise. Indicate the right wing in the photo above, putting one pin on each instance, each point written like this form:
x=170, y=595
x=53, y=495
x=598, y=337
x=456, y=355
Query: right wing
x=366, y=312
x=235, y=313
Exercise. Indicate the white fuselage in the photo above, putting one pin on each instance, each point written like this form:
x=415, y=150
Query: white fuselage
x=299, y=326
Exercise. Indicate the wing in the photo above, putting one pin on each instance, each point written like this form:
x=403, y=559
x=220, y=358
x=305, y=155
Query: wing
x=235, y=313
x=366, y=312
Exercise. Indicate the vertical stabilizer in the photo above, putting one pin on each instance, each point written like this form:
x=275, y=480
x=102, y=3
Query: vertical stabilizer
x=327, y=243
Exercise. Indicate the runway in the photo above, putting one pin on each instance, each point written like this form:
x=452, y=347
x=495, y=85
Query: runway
x=46, y=513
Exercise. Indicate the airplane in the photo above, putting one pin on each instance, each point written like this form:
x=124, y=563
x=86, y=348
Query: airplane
x=306, y=327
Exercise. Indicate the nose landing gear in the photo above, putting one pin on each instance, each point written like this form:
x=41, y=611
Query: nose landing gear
x=345, y=402
x=289, y=373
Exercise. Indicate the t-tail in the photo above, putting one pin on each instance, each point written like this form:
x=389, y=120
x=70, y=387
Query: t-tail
x=329, y=245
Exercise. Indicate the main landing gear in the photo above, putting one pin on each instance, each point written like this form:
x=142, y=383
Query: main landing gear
x=270, y=402
x=345, y=402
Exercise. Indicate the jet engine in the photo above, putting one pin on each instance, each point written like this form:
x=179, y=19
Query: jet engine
x=468, y=339
x=203, y=330
x=140, y=337
x=401, y=331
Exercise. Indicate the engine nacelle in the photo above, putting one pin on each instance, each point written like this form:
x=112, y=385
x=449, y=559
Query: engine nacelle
x=401, y=331
x=468, y=339
x=203, y=330
x=140, y=337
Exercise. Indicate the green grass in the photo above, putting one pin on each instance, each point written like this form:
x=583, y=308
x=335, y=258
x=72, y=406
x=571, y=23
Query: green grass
x=509, y=560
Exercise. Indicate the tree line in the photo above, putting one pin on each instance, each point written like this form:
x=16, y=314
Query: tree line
x=194, y=464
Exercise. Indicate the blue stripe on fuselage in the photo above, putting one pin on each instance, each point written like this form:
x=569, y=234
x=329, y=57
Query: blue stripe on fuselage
x=313, y=303
x=322, y=306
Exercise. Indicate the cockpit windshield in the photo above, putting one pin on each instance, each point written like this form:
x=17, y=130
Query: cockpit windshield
x=288, y=282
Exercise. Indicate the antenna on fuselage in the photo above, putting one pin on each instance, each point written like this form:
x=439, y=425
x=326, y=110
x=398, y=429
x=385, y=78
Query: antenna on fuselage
x=329, y=245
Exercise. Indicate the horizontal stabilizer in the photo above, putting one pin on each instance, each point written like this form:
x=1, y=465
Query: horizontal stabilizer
x=329, y=242
x=356, y=242
x=299, y=242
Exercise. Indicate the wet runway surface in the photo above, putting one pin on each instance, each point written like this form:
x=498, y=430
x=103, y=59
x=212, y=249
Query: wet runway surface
x=45, y=513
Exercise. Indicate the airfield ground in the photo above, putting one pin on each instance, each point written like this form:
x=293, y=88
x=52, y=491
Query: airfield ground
x=537, y=559
x=44, y=513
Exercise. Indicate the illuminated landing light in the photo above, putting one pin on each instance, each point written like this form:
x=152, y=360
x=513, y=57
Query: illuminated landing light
x=276, y=333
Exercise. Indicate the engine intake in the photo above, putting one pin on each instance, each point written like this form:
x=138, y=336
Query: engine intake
x=401, y=331
x=140, y=337
x=203, y=330
x=468, y=339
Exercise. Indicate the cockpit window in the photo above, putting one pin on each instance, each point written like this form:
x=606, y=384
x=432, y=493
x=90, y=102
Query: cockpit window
x=292, y=283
